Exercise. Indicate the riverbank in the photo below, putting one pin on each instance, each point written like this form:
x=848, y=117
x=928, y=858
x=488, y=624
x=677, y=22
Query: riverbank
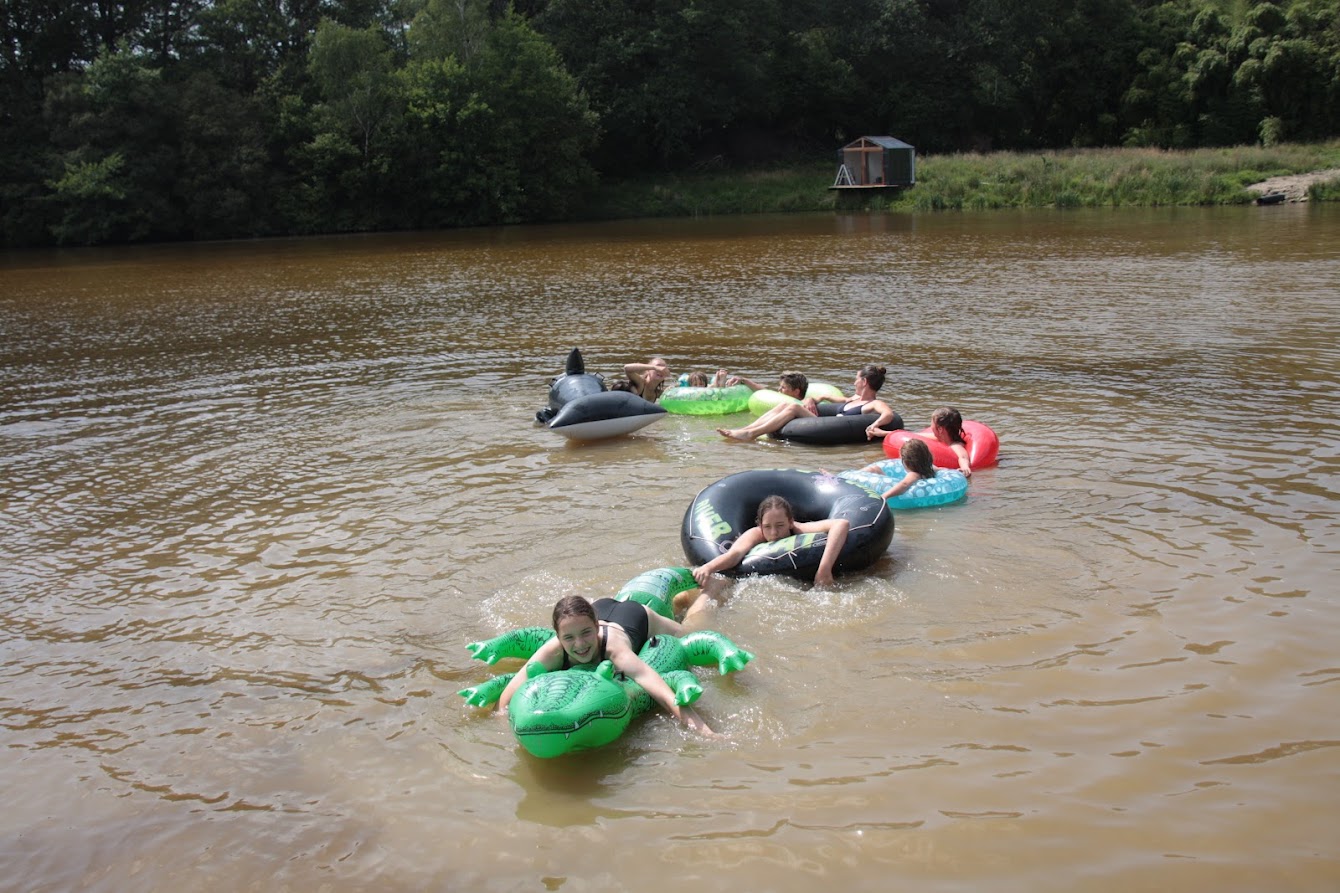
x=1078, y=178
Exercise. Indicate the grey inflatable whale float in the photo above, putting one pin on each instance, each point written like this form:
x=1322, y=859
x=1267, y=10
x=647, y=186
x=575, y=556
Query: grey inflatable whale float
x=581, y=409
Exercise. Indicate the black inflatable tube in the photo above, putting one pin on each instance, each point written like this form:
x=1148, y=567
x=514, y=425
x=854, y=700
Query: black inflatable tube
x=830, y=429
x=723, y=511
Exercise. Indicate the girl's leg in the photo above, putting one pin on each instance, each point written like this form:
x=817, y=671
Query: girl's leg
x=712, y=595
x=772, y=420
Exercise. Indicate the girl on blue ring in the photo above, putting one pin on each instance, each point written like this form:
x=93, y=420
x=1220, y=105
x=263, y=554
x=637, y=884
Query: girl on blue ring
x=916, y=457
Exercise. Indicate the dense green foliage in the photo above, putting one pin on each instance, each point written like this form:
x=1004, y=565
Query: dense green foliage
x=192, y=119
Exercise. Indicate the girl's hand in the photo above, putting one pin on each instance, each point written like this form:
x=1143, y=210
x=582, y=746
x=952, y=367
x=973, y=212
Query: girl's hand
x=695, y=723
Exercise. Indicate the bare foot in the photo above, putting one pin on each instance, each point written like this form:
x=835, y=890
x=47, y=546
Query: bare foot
x=711, y=596
x=696, y=612
x=734, y=435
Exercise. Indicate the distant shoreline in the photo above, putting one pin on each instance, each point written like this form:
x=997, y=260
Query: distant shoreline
x=1075, y=178
x=1295, y=187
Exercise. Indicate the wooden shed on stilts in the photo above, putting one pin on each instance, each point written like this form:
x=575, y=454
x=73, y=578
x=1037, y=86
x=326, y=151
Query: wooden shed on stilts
x=876, y=162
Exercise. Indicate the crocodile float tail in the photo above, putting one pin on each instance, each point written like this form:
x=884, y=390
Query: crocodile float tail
x=657, y=589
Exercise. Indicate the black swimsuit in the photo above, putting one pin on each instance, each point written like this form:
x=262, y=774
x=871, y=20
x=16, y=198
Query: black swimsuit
x=631, y=616
x=857, y=411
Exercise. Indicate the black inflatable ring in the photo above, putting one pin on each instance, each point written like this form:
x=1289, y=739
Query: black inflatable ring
x=829, y=428
x=725, y=510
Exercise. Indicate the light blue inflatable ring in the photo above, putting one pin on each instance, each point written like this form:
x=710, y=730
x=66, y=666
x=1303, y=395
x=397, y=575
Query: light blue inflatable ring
x=948, y=485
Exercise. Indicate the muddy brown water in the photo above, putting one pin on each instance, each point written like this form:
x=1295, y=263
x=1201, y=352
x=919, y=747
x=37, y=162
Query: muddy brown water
x=258, y=496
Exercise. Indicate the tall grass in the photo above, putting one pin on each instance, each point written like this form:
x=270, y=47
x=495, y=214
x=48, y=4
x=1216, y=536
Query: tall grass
x=1081, y=178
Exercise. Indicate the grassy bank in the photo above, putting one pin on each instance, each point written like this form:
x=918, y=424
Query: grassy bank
x=1067, y=179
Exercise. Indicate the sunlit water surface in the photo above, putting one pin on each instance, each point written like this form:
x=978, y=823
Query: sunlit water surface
x=257, y=497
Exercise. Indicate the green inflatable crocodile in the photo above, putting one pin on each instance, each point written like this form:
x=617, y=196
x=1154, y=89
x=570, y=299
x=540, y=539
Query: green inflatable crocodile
x=565, y=711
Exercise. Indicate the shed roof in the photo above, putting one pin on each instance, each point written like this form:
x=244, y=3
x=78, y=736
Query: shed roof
x=886, y=142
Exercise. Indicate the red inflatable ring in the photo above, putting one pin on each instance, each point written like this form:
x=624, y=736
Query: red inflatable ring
x=981, y=441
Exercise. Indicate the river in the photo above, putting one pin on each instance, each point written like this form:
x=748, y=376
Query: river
x=258, y=496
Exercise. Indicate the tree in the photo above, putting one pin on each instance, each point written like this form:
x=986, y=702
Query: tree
x=347, y=160
x=118, y=159
x=507, y=131
x=669, y=78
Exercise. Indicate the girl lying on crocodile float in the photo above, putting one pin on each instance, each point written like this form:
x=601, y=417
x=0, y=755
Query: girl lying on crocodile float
x=586, y=634
x=583, y=682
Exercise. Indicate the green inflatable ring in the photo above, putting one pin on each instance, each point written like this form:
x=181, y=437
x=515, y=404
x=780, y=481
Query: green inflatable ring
x=766, y=398
x=706, y=401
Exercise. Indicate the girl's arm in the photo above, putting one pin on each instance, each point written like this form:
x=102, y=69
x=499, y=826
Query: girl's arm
x=638, y=371
x=836, y=528
x=886, y=414
x=549, y=654
x=962, y=452
x=731, y=557
x=812, y=403
x=901, y=487
x=632, y=666
x=644, y=375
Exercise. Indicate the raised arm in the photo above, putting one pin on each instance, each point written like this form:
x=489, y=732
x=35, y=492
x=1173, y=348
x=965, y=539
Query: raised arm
x=645, y=373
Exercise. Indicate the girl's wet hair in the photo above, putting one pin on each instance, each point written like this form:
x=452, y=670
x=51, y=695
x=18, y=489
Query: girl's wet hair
x=698, y=379
x=774, y=502
x=948, y=417
x=916, y=456
x=874, y=376
x=796, y=381
x=573, y=606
